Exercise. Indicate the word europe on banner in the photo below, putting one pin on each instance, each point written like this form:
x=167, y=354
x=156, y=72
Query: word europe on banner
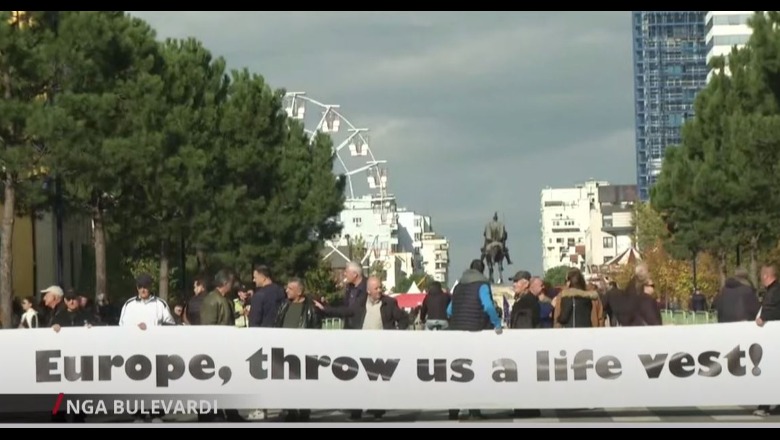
x=724, y=364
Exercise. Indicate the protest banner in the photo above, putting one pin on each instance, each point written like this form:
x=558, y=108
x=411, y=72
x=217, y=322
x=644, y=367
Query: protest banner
x=671, y=366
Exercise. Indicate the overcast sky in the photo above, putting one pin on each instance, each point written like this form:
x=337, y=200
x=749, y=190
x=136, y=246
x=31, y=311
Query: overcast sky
x=475, y=112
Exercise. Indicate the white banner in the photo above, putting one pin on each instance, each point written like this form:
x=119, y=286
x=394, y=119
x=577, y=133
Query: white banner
x=701, y=365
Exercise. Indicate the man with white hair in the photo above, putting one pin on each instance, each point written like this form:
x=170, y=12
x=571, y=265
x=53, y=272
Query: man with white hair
x=356, y=292
x=53, y=301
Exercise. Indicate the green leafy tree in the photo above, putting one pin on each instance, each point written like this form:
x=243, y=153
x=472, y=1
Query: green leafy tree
x=321, y=282
x=25, y=85
x=109, y=65
x=716, y=189
x=649, y=227
x=273, y=196
x=183, y=133
x=556, y=276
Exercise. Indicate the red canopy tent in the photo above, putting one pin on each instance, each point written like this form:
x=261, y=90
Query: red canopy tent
x=409, y=300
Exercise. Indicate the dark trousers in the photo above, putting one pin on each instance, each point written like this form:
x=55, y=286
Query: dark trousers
x=297, y=415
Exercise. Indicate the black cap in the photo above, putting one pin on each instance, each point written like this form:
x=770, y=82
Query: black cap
x=144, y=280
x=521, y=275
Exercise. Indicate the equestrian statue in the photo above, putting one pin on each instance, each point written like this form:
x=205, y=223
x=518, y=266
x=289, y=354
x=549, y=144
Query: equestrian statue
x=494, y=250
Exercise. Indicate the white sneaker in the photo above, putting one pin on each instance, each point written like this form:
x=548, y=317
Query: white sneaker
x=258, y=414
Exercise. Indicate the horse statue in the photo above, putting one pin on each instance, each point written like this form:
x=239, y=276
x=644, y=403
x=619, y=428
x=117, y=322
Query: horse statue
x=494, y=251
x=493, y=257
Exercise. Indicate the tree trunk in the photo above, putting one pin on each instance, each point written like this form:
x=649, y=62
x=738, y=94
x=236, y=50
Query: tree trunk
x=100, y=251
x=200, y=255
x=6, y=255
x=723, y=267
x=164, y=270
x=754, y=262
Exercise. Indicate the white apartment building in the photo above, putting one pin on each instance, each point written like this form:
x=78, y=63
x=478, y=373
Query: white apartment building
x=374, y=220
x=726, y=29
x=611, y=228
x=436, y=257
x=587, y=225
x=403, y=240
x=565, y=217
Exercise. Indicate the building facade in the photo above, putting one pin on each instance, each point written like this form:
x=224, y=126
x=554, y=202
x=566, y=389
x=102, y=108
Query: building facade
x=565, y=219
x=587, y=225
x=670, y=68
x=724, y=31
x=435, y=253
x=611, y=229
x=402, y=240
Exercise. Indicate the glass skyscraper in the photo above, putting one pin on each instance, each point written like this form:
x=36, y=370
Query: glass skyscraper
x=670, y=68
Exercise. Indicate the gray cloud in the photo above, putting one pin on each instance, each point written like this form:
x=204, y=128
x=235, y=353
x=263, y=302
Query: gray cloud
x=475, y=111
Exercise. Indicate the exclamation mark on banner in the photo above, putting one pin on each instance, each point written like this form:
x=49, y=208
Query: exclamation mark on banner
x=756, y=353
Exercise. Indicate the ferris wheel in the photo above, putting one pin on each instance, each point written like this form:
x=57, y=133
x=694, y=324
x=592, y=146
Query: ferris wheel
x=353, y=157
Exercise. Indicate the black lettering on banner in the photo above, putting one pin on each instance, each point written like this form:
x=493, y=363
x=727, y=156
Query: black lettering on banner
x=285, y=366
x=279, y=360
x=707, y=364
x=376, y=368
x=345, y=368
x=313, y=365
x=439, y=373
x=169, y=368
x=461, y=370
x=504, y=370
x=606, y=367
x=201, y=367
x=45, y=365
x=106, y=364
x=138, y=367
x=85, y=372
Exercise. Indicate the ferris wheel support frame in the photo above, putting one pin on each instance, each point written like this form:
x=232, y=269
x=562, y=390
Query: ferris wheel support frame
x=371, y=165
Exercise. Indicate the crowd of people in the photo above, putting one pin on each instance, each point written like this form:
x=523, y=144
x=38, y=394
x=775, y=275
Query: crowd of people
x=470, y=306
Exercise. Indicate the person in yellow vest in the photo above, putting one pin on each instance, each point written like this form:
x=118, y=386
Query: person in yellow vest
x=241, y=307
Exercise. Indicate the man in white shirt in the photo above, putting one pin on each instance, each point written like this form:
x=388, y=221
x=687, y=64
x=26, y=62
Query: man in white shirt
x=143, y=311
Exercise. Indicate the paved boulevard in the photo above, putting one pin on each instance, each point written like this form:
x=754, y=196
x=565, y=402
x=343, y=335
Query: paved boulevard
x=735, y=414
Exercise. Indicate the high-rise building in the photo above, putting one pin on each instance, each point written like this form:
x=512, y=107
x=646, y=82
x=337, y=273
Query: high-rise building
x=670, y=68
x=725, y=30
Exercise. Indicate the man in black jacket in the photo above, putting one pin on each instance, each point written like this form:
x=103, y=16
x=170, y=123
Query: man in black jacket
x=433, y=311
x=525, y=311
x=770, y=311
x=266, y=300
x=737, y=300
x=297, y=312
x=372, y=311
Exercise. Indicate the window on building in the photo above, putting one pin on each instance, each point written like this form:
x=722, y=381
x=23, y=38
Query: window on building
x=417, y=236
x=357, y=221
x=417, y=222
x=394, y=248
x=559, y=240
x=570, y=242
x=609, y=242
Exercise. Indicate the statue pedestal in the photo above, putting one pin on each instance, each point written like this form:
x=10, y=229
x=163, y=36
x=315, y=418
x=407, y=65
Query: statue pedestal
x=501, y=291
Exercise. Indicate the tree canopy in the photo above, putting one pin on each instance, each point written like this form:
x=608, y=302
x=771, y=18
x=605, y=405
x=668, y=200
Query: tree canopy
x=158, y=145
x=717, y=190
